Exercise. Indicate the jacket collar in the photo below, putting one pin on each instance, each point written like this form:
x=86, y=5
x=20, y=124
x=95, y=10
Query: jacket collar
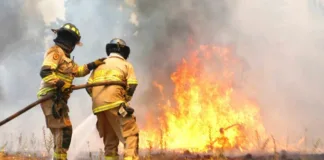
x=115, y=55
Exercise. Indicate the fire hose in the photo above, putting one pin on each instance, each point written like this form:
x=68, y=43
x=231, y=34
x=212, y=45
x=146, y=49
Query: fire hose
x=49, y=96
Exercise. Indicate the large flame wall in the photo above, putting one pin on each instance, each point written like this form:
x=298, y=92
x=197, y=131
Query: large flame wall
x=205, y=112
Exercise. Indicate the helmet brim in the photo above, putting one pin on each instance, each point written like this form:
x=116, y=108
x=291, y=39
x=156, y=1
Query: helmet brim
x=54, y=30
x=80, y=44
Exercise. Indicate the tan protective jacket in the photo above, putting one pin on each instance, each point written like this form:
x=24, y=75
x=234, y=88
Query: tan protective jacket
x=63, y=68
x=116, y=68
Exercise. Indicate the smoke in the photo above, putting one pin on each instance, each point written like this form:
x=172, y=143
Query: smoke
x=166, y=29
x=279, y=41
x=22, y=43
x=12, y=19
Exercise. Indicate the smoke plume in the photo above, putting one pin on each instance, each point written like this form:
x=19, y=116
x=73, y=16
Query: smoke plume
x=278, y=41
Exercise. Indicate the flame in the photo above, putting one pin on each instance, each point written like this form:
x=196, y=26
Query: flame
x=160, y=87
x=205, y=112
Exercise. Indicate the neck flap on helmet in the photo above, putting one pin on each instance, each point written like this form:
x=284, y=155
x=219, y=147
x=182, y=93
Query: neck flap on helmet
x=66, y=41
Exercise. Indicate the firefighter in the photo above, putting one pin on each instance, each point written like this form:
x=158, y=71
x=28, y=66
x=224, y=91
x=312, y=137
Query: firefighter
x=57, y=72
x=115, y=121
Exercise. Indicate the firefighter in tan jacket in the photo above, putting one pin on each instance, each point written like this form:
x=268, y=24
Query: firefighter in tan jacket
x=57, y=73
x=111, y=103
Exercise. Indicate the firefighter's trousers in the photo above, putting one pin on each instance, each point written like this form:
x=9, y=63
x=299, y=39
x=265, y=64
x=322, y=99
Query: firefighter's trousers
x=61, y=130
x=114, y=128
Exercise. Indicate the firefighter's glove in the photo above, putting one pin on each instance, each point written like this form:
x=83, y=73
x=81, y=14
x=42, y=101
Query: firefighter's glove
x=125, y=111
x=60, y=84
x=56, y=109
x=96, y=63
x=56, y=112
x=69, y=90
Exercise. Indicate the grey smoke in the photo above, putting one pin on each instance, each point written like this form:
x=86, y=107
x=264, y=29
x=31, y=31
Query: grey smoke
x=21, y=47
x=280, y=42
x=166, y=27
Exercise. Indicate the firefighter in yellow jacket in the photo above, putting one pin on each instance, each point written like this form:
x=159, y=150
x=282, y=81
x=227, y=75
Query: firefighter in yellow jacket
x=116, y=121
x=57, y=73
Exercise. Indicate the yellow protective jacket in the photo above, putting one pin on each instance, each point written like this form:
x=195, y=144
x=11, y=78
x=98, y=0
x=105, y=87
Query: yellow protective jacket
x=57, y=65
x=116, y=68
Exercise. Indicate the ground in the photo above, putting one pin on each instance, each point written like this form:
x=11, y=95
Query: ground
x=195, y=157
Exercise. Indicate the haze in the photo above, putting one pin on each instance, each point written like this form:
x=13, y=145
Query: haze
x=279, y=41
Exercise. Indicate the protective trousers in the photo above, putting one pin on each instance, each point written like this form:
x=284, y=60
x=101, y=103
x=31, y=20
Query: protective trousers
x=114, y=128
x=61, y=129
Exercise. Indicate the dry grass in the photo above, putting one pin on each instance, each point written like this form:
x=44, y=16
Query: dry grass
x=189, y=157
x=48, y=141
x=26, y=148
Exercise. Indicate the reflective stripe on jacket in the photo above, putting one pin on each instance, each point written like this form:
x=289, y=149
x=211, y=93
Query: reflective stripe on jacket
x=59, y=67
x=116, y=68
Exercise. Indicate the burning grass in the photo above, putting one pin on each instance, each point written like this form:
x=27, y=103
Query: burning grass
x=189, y=156
x=207, y=113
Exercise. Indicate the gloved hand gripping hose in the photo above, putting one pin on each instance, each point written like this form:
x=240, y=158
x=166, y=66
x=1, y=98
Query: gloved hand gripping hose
x=125, y=111
x=56, y=109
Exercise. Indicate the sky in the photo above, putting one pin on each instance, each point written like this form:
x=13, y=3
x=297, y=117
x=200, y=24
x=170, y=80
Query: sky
x=279, y=41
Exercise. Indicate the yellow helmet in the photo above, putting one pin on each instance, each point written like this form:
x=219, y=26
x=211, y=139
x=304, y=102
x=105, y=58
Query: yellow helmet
x=71, y=28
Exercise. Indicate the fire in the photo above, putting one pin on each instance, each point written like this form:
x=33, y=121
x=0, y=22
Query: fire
x=205, y=112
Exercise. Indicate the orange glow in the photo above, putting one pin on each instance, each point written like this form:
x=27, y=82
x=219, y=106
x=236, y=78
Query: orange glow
x=205, y=112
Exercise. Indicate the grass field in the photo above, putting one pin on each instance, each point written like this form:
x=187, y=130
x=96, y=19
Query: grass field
x=178, y=156
x=189, y=157
x=31, y=148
